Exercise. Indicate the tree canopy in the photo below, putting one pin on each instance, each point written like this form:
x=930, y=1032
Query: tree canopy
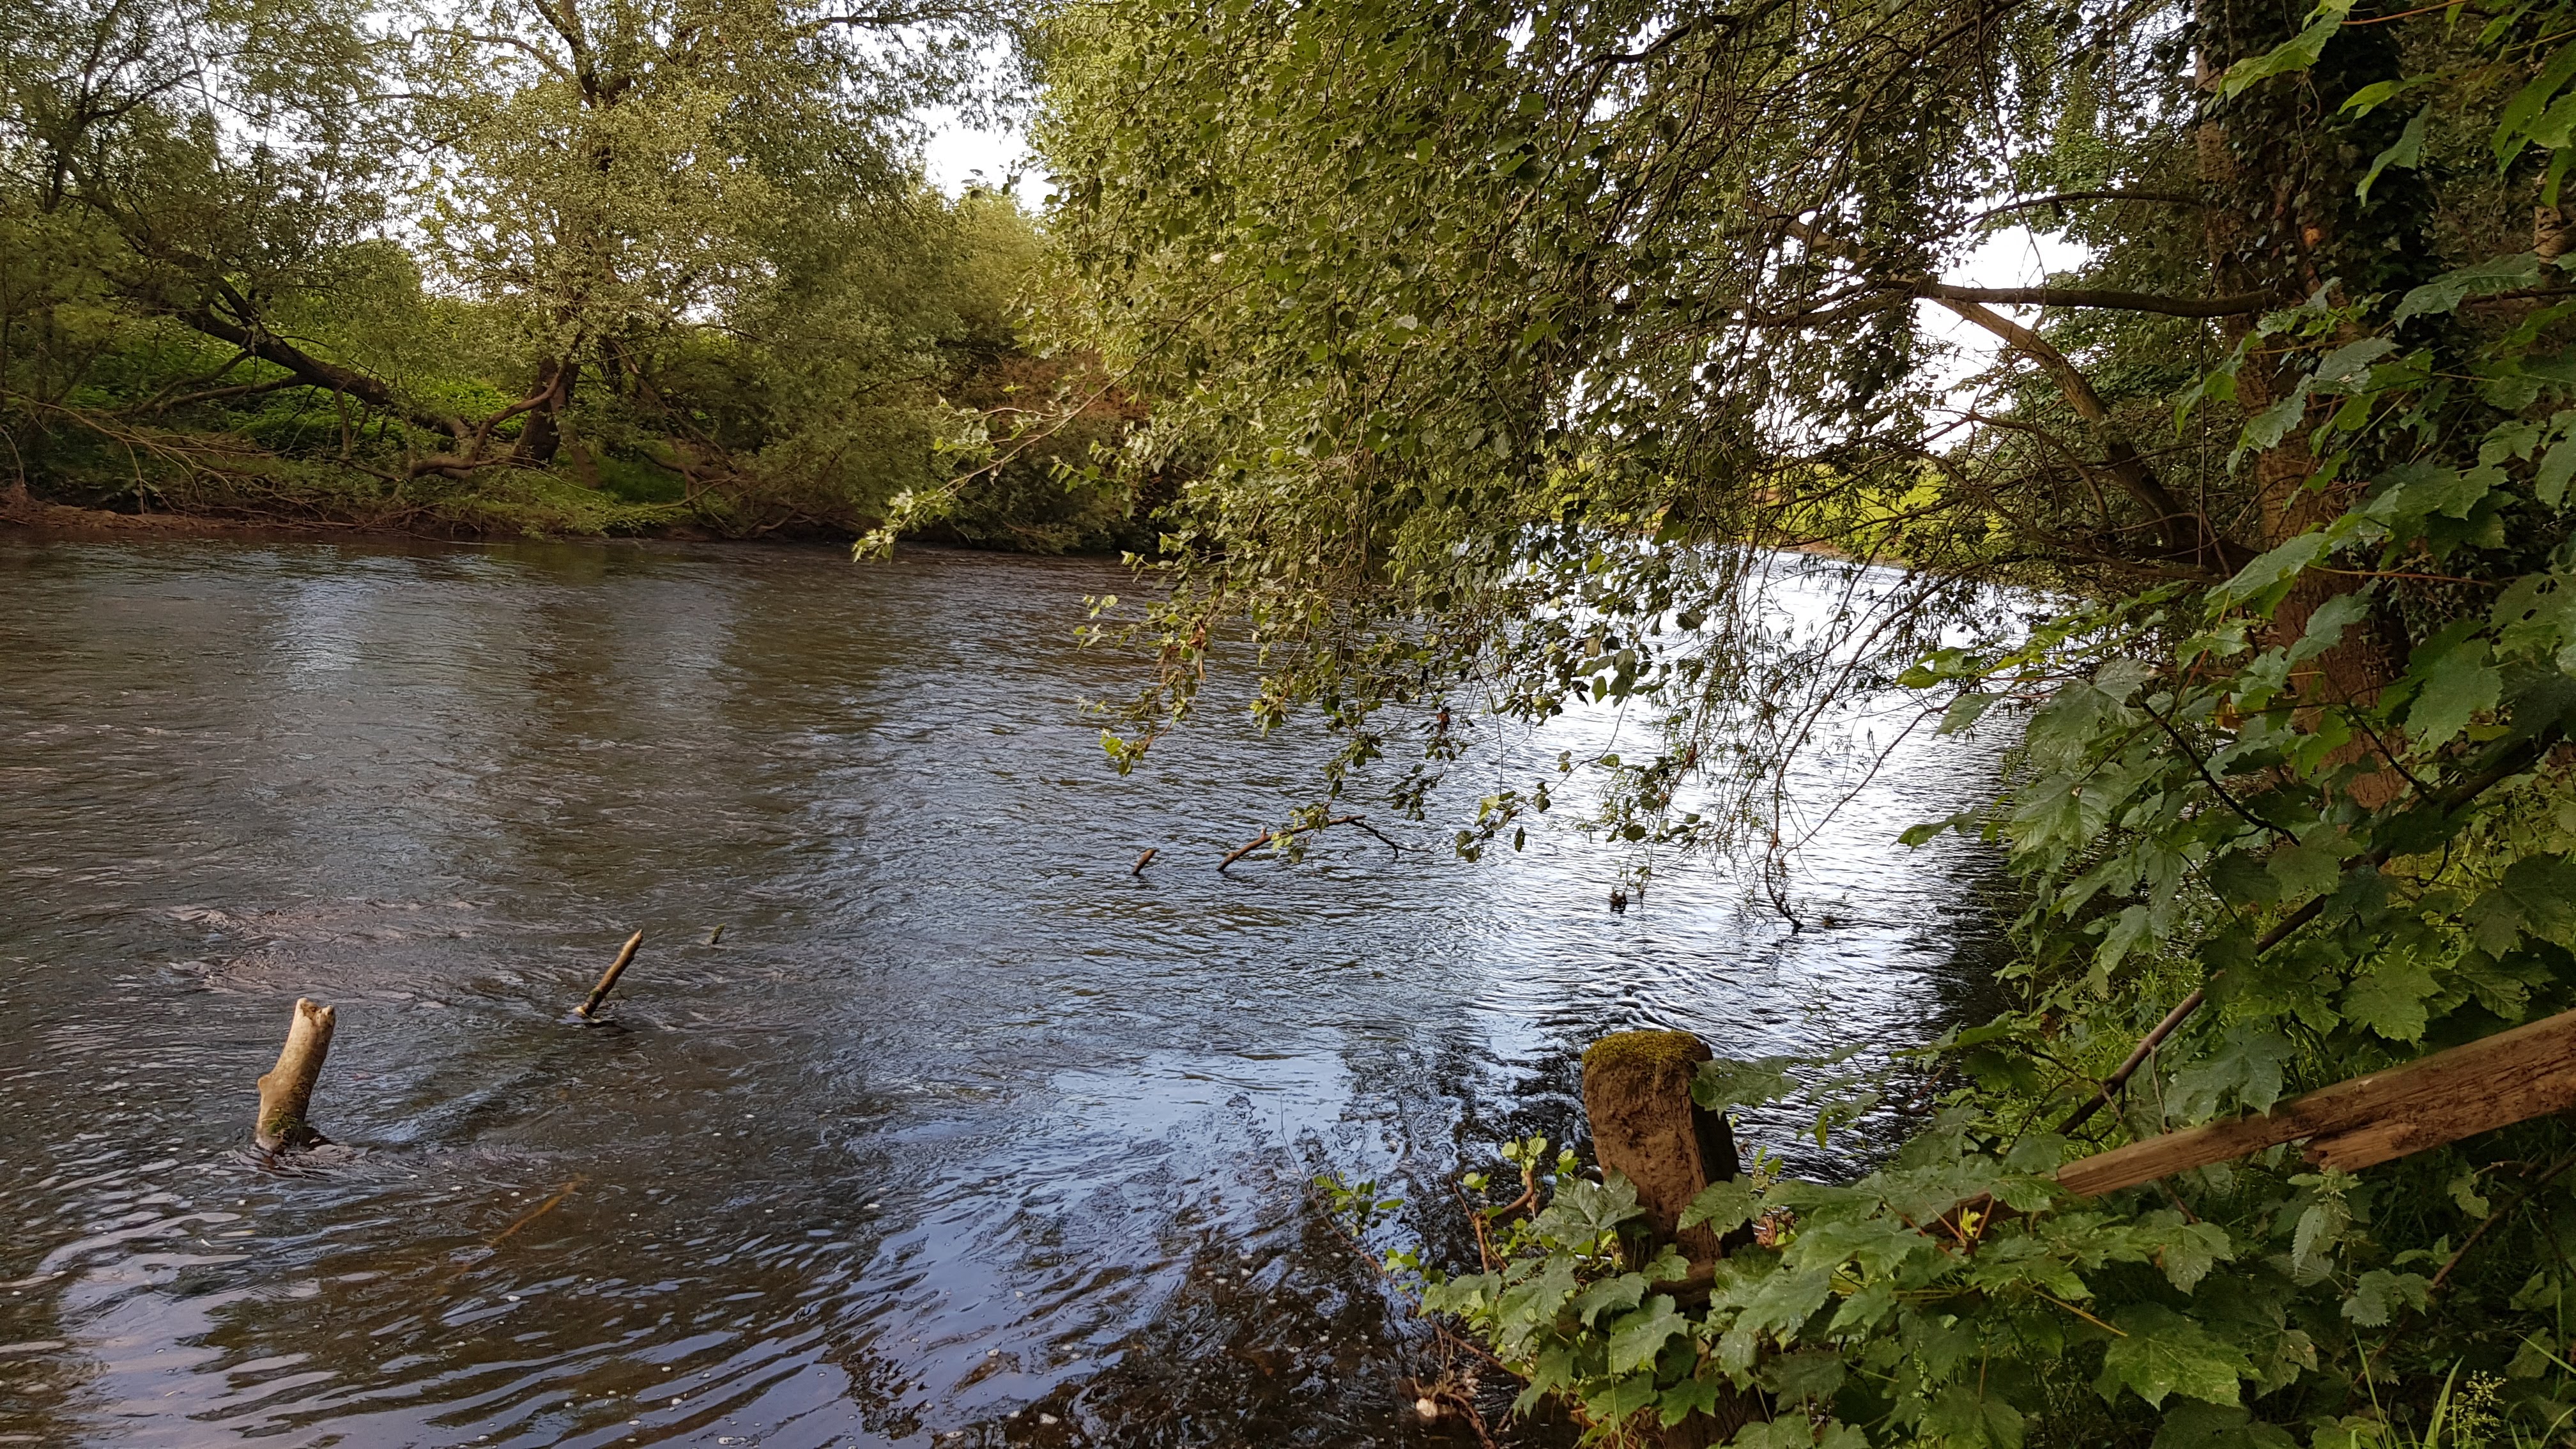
x=543, y=264
x=1502, y=349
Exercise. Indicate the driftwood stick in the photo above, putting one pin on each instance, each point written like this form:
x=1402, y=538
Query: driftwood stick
x=1143, y=861
x=1267, y=836
x=608, y=980
x=286, y=1090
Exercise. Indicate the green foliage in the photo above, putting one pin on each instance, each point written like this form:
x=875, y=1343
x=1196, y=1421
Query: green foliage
x=1508, y=347
x=674, y=255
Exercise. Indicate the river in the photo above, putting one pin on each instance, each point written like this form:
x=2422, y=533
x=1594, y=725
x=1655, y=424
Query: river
x=960, y=1135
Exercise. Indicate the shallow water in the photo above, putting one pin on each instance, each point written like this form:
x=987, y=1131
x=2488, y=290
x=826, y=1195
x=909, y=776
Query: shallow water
x=960, y=1135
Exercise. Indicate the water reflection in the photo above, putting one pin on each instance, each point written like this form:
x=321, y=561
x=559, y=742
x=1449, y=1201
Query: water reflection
x=961, y=1135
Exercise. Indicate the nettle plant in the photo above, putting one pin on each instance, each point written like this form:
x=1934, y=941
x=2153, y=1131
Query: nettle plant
x=2325, y=882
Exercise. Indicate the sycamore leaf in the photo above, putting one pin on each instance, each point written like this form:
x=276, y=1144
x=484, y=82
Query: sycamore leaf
x=2164, y=1354
x=2390, y=999
x=1964, y=1417
x=1810, y=1373
x=1690, y=1396
x=1964, y=711
x=1723, y=1206
x=1617, y=1294
x=1779, y=1306
x=2536, y=897
x=1636, y=1337
x=2305, y=870
x=1621, y=1399
x=1724, y=1084
x=2190, y=1250
x=2457, y=684
x=2246, y=1062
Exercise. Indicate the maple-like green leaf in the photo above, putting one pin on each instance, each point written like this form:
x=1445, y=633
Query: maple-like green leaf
x=1690, y=1396
x=2163, y=1353
x=2245, y=1063
x=1636, y=1337
x=2537, y=897
x=1968, y=1419
x=1622, y=1398
x=2457, y=683
x=2390, y=998
x=2305, y=870
x=1723, y=1206
x=1616, y=1295
x=2189, y=1250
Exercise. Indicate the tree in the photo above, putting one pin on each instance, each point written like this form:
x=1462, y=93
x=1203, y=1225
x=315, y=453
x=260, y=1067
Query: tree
x=1518, y=337
x=490, y=265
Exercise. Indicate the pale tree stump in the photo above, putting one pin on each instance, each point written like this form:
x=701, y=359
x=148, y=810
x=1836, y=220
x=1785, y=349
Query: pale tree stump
x=286, y=1090
x=1646, y=1128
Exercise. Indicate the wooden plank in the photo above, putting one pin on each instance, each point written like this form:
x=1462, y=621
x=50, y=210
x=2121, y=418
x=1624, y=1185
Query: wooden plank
x=2493, y=1082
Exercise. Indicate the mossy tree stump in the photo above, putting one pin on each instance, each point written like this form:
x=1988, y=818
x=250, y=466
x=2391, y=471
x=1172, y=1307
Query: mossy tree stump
x=1637, y=1091
x=1646, y=1128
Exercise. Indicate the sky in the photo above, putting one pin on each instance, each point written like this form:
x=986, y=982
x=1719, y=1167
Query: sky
x=960, y=156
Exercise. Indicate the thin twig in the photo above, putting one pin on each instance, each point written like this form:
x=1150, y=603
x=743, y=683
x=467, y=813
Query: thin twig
x=1269, y=836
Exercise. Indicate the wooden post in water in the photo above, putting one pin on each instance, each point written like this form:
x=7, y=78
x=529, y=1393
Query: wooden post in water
x=286, y=1090
x=1646, y=1128
x=608, y=980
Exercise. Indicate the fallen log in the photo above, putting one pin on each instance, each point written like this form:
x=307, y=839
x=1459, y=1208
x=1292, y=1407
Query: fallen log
x=2512, y=1076
x=286, y=1090
x=608, y=980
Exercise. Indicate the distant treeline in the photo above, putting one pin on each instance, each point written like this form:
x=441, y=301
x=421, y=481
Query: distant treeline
x=526, y=266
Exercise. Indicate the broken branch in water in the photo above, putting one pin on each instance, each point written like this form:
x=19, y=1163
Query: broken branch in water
x=1271, y=836
x=599, y=993
x=1143, y=861
x=543, y=1208
x=286, y=1090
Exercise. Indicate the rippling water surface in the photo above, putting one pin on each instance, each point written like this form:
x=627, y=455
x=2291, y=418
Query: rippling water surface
x=960, y=1135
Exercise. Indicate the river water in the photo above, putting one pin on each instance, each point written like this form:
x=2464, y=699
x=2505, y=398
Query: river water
x=961, y=1135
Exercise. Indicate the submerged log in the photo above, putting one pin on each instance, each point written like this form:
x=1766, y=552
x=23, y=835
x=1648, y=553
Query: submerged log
x=286, y=1090
x=608, y=980
x=1645, y=1127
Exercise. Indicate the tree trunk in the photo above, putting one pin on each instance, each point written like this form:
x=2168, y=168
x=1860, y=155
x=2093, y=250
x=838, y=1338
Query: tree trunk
x=2281, y=167
x=542, y=438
